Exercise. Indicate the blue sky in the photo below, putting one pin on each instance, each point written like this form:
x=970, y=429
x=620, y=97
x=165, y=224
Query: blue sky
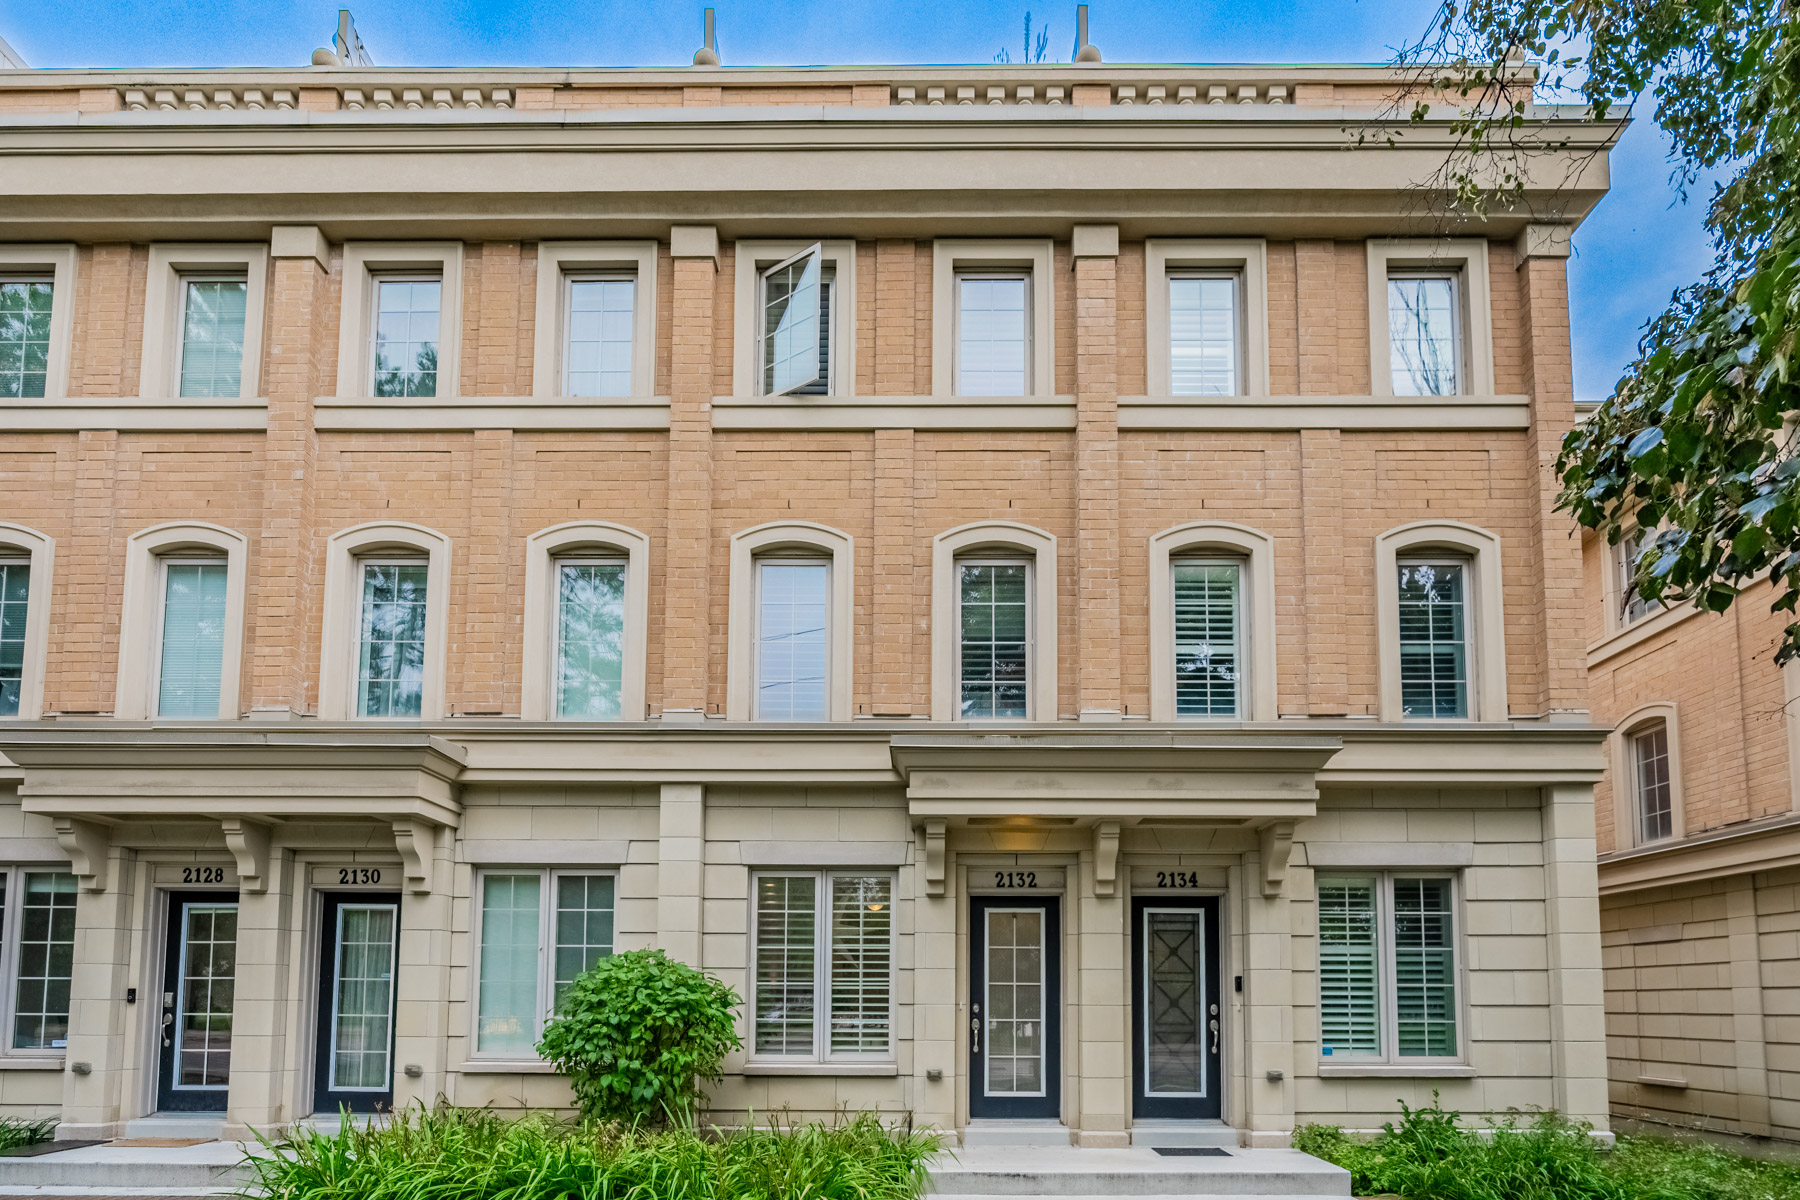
x=1639, y=245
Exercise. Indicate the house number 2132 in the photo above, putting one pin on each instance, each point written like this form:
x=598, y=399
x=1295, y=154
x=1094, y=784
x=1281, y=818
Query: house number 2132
x=1015, y=879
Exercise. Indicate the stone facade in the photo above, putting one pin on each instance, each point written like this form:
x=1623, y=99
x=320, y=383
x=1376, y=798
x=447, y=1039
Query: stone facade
x=1102, y=806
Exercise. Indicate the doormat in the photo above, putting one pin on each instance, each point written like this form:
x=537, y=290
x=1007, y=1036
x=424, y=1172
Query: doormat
x=1192, y=1151
x=37, y=1148
x=145, y=1143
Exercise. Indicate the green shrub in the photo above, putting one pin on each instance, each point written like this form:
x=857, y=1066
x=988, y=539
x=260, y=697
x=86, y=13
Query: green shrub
x=638, y=1033
x=469, y=1154
x=16, y=1131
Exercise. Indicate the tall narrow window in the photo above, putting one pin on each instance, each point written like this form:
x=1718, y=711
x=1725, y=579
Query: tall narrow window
x=46, y=961
x=406, y=336
x=842, y=964
x=192, y=652
x=1388, y=969
x=1655, y=797
x=1434, y=640
x=1631, y=547
x=794, y=347
x=1204, y=347
x=390, y=680
x=15, y=598
x=792, y=640
x=1208, y=631
x=597, y=353
x=590, y=639
x=24, y=337
x=993, y=640
x=993, y=334
x=1424, y=335
x=539, y=931
x=212, y=335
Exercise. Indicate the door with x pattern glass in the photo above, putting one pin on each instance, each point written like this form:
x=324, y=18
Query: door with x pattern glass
x=1177, y=1017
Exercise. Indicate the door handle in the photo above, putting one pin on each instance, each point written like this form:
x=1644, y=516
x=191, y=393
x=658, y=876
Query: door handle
x=1214, y=1026
x=975, y=1035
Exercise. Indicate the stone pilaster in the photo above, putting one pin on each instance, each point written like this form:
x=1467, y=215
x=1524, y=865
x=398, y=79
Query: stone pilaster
x=1577, y=980
x=422, y=982
x=681, y=843
x=263, y=1083
x=97, y=1100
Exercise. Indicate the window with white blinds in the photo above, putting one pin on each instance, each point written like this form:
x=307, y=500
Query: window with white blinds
x=15, y=598
x=1388, y=967
x=823, y=982
x=1209, y=655
x=212, y=335
x=191, y=654
x=539, y=930
x=793, y=649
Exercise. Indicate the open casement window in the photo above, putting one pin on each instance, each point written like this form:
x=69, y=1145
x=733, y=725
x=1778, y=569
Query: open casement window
x=598, y=341
x=1652, y=790
x=1388, y=967
x=15, y=604
x=190, y=650
x=794, y=338
x=390, y=672
x=590, y=638
x=993, y=333
x=26, y=302
x=405, y=328
x=793, y=639
x=994, y=639
x=822, y=963
x=1205, y=333
x=1434, y=638
x=1425, y=340
x=539, y=929
x=1209, y=637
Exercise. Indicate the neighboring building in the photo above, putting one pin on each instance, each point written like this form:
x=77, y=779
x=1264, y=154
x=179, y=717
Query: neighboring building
x=1699, y=856
x=1040, y=577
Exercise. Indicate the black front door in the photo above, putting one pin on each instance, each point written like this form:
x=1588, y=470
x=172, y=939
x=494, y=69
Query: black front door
x=199, y=985
x=359, y=941
x=1175, y=1010
x=1015, y=1007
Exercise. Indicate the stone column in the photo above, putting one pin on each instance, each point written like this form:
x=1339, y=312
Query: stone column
x=687, y=573
x=681, y=847
x=95, y=1103
x=937, y=1044
x=1748, y=1032
x=1268, y=1009
x=1103, y=997
x=1096, y=257
x=263, y=1080
x=1577, y=979
x=422, y=974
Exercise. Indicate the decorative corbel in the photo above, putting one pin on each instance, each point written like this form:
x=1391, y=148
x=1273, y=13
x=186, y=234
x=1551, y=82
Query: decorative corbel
x=1106, y=858
x=417, y=842
x=86, y=845
x=934, y=856
x=248, y=842
x=1277, y=842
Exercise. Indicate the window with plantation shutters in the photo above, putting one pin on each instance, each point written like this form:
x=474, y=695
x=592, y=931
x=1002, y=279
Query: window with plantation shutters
x=1208, y=638
x=191, y=655
x=1388, y=967
x=823, y=965
x=15, y=597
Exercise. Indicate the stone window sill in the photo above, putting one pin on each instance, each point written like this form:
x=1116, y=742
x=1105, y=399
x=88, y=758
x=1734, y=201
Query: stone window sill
x=1395, y=1071
x=820, y=1068
x=495, y=1066
x=23, y=1063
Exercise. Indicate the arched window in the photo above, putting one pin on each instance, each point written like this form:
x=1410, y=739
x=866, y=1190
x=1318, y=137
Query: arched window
x=387, y=588
x=1647, y=777
x=1440, y=623
x=790, y=623
x=1212, y=623
x=26, y=560
x=587, y=585
x=181, y=634
x=993, y=623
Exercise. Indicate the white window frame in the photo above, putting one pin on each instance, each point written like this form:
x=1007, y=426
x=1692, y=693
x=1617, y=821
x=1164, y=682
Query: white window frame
x=756, y=637
x=58, y=262
x=14, y=875
x=544, y=550
x=1627, y=832
x=372, y=336
x=1386, y=980
x=20, y=543
x=752, y=259
x=547, y=877
x=172, y=266
x=821, y=1052
x=136, y=696
x=1437, y=559
x=345, y=553
x=1459, y=350
x=1467, y=260
x=993, y=540
x=1619, y=594
x=1478, y=552
x=558, y=562
x=363, y=262
x=1023, y=275
x=1256, y=607
x=163, y=563
x=795, y=540
x=557, y=264
x=1031, y=663
x=1248, y=260
x=951, y=257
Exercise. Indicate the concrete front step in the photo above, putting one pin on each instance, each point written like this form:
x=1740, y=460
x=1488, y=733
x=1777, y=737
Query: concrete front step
x=1183, y=1133
x=1068, y=1171
x=93, y=1170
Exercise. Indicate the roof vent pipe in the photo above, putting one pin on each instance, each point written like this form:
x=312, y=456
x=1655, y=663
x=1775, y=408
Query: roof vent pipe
x=708, y=53
x=1085, y=51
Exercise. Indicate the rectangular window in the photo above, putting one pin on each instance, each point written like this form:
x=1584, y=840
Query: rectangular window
x=191, y=655
x=794, y=348
x=24, y=336
x=792, y=643
x=993, y=334
x=15, y=598
x=1208, y=630
x=1434, y=640
x=1204, y=347
x=841, y=961
x=597, y=352
x=43, y=914
x=539, y=930
x=1655, y=798
x=390, y=676
x=590, y=638
x=1388, y=969
x=1424, y=335
x=1631, y=547
x=406, y=335
x=212, y=335
x=993, y=640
